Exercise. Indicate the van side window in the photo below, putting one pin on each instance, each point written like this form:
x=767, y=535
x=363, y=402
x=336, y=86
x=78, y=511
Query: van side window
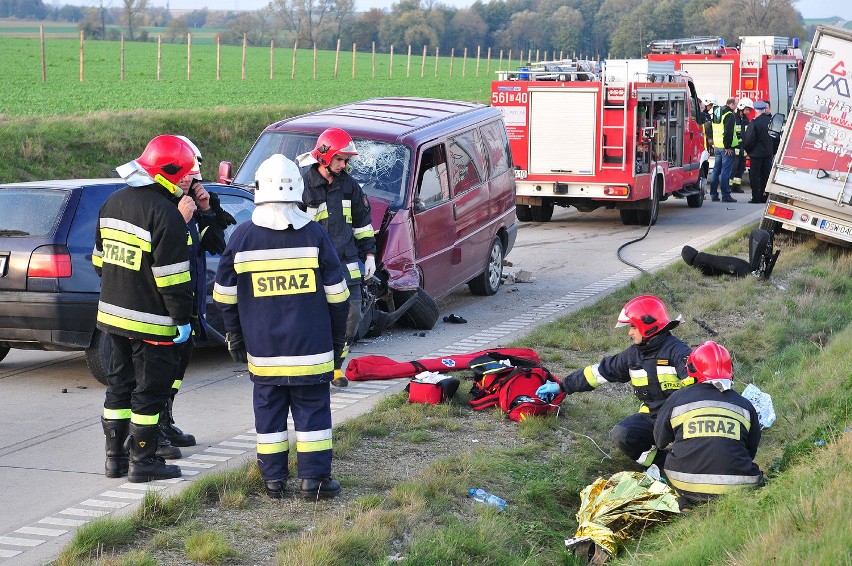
x=432, y=184
x=467, y=161
x=497, y=146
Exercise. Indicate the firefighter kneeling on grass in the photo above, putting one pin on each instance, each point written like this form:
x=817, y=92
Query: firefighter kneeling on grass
x=656, y=367
x=713, y=431
x=284, y=301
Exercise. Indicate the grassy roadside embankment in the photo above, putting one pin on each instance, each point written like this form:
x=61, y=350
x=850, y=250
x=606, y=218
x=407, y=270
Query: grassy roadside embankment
x=790, y=336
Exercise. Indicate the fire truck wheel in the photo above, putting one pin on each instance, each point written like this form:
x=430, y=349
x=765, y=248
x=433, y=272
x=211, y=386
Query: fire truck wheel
x=695, y=201
x=647, y=214
x=523, y=213
x=542, y=213
x=487, y=282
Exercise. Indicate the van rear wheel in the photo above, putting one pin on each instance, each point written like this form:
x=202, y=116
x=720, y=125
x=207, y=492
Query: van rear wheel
x=487, y=282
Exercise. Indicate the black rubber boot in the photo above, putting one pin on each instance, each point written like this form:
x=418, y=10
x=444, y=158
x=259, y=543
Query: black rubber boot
x=145, y=465
x=275, y=489
x=175, y=435
x=165, y=449
x=117, y=455
x=316, y=488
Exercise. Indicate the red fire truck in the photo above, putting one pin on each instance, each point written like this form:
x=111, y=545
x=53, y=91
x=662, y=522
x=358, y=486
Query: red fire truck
x=622, y=136
x=761, y=68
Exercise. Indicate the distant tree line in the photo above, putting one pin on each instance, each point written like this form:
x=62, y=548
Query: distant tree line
x=589, y=28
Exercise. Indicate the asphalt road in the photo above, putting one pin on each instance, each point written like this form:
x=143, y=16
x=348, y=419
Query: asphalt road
x=51, y=445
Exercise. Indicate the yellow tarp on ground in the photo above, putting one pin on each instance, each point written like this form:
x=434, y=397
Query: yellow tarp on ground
x=614, y=510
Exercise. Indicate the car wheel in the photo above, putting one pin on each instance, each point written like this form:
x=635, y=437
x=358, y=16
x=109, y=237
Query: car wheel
x=97, y=356
x=523, y=212
x=542, y=213
x=695, y=201
x=423, y=313
x=487, y=282
x=3, y=351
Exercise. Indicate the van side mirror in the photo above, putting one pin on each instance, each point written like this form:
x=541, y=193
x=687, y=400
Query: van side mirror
x=776, y=125
x=225, y=174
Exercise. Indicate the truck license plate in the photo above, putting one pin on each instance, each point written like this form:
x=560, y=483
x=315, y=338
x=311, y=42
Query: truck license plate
x=829, y=226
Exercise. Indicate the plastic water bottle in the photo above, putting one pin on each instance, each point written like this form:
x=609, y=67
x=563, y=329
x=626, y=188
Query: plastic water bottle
x=484, y=497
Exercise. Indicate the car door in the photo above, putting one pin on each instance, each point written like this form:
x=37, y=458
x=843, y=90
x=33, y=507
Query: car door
x=434, y=221
x=468, y=164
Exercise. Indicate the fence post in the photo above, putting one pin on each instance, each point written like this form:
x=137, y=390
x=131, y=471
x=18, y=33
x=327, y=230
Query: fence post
x=315, y=61
x=408, y=67
x=245, y=46
x=44, y=65
x=390, y=75
x=354, y=51
x=188, y=55
x=122, y=57
x=218, y=57
x=464, y=62
x=423, y=63
x=271, y=59
x=81, y=56
x=477, y=59
x=159, y=55
x=336, y=58
x=293, y=67
x=436, y=60
x=508, y=61
x=374, y=59
x=488, y=65
x=452, y=59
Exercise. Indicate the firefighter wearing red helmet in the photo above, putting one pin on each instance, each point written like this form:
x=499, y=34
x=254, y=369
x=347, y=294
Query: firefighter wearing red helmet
x=145, y=303
x=338, y=203
x=712, y=431
x=655, y=365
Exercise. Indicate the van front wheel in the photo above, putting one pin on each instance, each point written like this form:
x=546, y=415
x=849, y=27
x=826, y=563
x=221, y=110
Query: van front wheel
x=487, y=282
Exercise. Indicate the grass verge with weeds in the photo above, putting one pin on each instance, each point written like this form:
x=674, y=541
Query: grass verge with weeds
x=406, y=468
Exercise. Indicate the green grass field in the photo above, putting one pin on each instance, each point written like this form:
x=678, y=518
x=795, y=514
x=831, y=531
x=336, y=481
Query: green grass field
x=23, y=93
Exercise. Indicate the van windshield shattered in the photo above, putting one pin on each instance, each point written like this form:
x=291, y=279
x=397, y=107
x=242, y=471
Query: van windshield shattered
x=381, y=168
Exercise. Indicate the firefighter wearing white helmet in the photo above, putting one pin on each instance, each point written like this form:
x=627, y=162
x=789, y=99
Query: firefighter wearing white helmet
x=339, y=204
x=709, y=101
x=741, y=121
x=284, y=301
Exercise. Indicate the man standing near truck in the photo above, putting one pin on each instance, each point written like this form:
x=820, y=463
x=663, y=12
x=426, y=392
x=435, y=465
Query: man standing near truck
x=760, y=147
x=337, y=202
x=724, y=143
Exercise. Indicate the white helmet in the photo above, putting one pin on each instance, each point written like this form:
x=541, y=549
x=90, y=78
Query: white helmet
x=196, y=171
x=745, y=102
x=278, y=180
x=708, y=99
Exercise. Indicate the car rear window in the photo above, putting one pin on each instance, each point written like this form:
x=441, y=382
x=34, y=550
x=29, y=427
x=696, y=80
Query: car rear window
x=31, y=211
x=381, y=168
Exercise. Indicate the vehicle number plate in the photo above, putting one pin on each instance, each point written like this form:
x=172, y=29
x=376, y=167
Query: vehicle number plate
x=829, y=226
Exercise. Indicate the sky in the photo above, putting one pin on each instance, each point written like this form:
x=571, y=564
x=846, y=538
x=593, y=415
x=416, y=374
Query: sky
x=808, y=8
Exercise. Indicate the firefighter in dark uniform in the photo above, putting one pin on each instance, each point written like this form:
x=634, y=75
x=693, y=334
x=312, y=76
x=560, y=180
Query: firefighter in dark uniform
x=713, y=431
x=284, y=301
x=145, y=303
x=656, y=367
x=205, y=222
x=337, y=202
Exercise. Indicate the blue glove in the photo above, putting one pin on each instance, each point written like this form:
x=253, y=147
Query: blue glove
x=184, y=332
x=548, y=391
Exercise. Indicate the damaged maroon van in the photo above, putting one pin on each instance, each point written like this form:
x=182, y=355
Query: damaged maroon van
x=440, y=180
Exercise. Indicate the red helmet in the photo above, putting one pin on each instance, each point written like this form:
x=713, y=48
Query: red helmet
x=648, y=314
x=709, y=361
x=331, y=142
x=169, y=157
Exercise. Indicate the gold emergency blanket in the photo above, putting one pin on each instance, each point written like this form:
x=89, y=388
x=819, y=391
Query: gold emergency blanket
x=614, y=510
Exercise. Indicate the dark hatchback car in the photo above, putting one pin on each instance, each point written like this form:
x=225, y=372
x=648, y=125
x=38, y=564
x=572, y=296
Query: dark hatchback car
x=48, y=287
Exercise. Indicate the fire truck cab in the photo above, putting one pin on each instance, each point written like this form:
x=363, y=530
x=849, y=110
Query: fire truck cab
x=624, y=134
x=761, y=67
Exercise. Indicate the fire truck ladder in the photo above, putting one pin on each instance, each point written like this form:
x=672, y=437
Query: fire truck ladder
x=617, y=159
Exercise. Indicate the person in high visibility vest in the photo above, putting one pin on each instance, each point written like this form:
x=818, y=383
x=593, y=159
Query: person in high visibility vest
x=724, y=143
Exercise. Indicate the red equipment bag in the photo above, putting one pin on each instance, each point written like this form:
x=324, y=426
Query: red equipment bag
x=432, y=393
x=511, y=383
x=380, y=367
